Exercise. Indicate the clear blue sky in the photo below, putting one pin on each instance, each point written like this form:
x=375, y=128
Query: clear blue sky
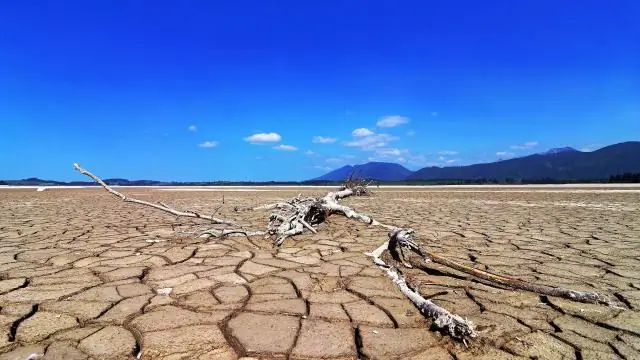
x=175, y=90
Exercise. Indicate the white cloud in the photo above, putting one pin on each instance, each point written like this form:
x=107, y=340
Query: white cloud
x=362, y=132
x=192, y=128
x=309, y=152
x=333, y=160
x=447, y=152
x=208, y=144
x=284, y=147
x=504, y=154
x=320, y=167
x=263, y=138
x=392, y=121
x=451, y=161
x=527, y=145
x=411, y=133
x=391, y=152
x=372, y=141
x=323, y=140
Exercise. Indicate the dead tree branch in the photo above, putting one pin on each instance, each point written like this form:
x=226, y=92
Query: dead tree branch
x=164, y=207
x=295, y=215
x=457, y=327
x=400, y=239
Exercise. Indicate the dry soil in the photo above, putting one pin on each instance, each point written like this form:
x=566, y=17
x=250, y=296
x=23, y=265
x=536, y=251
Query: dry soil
x=84, y=276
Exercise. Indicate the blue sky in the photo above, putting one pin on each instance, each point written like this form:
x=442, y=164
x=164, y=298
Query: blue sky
x=286, y=90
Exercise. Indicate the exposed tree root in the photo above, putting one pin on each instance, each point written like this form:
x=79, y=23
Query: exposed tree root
x=295, y=215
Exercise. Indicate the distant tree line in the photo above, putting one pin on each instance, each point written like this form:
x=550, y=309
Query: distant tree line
x=628, y=177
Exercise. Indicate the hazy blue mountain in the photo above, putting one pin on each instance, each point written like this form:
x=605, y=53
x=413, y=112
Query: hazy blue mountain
x=558, y=165
x=382, y=171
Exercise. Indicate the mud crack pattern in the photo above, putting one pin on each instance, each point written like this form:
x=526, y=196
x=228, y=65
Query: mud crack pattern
x=83, y=276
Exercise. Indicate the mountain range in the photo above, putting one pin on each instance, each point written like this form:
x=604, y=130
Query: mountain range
x=615, y=163
x=558, y=164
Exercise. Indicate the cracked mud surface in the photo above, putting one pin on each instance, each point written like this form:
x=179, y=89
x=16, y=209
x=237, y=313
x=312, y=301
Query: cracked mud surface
x=81, y=275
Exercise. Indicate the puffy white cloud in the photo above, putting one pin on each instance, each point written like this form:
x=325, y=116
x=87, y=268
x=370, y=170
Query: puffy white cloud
x=392, y=121
x=208, y=144
x=284, y=147
x=263, y=138
x=362, y=132
x=323, y=140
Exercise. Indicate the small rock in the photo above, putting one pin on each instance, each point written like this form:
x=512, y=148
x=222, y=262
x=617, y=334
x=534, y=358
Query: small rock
x=164, y=291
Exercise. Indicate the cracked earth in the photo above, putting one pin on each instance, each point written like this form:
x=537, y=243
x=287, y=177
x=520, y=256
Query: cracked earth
x=85, y=276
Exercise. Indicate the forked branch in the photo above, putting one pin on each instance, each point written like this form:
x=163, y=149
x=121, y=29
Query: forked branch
x=457, y=327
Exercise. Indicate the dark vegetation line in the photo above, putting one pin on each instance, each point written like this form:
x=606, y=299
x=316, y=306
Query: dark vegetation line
x=625, y=178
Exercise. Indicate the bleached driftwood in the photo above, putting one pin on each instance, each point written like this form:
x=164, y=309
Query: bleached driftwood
x=166, y=208
x=292, y=217
x=400, y=239
x=457, y=327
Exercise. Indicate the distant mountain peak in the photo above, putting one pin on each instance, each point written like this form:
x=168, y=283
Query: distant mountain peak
x=374, y=170
x=558, y=150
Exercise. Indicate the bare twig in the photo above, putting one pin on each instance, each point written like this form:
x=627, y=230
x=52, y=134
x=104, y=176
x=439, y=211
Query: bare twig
x=159, y=206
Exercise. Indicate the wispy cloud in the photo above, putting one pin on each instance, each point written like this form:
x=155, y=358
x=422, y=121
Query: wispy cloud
x=309, y=152
x=447, y=152
x=360, y=132
x=434, y=113
x=192, y=128
x=284, y=147
x=451, y=161
x=372, y=141
x=391, y=152
x=208, y=144
x=263, y=138
x=527, y=145
x=411, y=133
x=392, y=121
x=323, y=140
x=320, y=167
